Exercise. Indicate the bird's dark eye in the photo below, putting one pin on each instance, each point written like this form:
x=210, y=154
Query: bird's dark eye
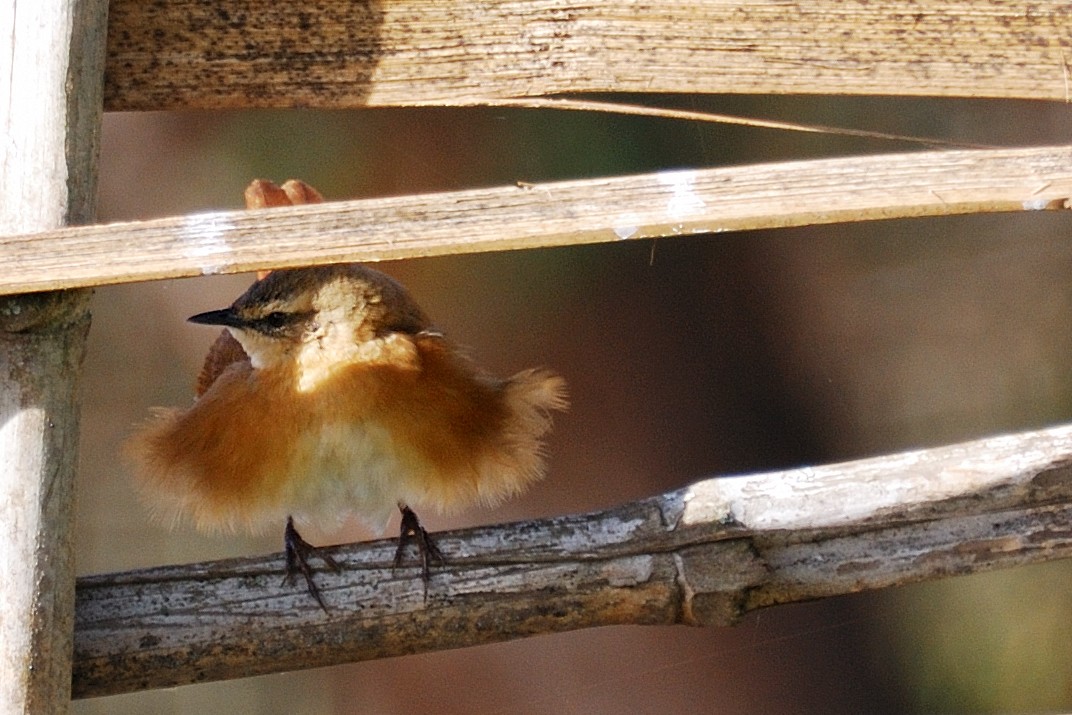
x=275, y=320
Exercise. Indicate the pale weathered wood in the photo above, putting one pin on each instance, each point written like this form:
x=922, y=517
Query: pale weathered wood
x=651, y=205
x=703, y=555
x=347, y=53
x=51, y=80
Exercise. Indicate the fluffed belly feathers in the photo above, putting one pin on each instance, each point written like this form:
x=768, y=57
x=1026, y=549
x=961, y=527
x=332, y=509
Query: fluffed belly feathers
x=255, y=447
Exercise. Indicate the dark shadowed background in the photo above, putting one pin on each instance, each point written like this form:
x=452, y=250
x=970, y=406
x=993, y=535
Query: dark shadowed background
x=686, y=357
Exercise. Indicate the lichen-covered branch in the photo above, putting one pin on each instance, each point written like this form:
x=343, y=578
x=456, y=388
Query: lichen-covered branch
x=702, y=555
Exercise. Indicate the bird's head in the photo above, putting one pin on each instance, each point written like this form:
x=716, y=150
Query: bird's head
x=337, y=306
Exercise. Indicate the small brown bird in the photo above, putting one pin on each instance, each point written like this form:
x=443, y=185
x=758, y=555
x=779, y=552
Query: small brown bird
x=330, y=394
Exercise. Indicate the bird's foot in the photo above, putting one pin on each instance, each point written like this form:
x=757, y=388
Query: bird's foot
x=298, y=551
x=426, y=547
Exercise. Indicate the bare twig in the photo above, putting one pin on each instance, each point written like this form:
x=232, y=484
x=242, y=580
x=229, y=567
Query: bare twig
x=668, y=203
x=691, y=115
x=703, y=555
x=340, y=53
x=51, y=81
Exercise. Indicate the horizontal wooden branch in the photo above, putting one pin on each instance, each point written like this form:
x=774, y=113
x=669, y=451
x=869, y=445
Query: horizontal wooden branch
x=703, y=555
x=667, y=203
x=346, y=53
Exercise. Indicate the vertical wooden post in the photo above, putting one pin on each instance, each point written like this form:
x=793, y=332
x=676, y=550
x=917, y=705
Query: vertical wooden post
x=51, y=80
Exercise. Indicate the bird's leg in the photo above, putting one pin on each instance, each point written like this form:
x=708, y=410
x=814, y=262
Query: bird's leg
x=298, y=551
x=412, y=529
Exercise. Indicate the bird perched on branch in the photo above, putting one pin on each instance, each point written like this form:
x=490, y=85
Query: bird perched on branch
x=329, y=394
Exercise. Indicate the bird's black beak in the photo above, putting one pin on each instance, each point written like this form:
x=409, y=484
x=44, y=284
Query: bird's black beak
x=226, y=317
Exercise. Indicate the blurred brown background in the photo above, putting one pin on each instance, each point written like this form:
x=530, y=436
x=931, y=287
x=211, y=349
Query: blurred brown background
x=686, y=357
